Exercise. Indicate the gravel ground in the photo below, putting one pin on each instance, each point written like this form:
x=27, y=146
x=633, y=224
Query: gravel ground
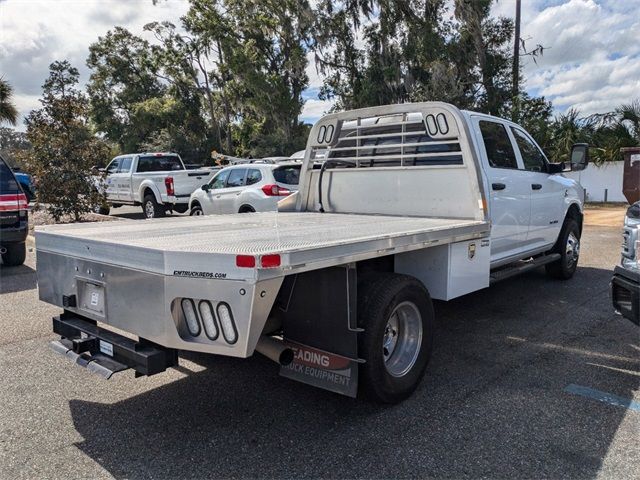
x=492, y=405
x=39, y=216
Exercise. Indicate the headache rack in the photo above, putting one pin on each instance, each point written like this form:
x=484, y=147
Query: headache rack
x=404, y=139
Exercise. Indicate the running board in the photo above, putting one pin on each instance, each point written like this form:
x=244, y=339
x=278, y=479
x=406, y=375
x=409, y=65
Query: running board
x=522, y=266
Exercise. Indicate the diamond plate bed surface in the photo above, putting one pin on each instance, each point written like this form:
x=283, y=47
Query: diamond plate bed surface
x=255, y=233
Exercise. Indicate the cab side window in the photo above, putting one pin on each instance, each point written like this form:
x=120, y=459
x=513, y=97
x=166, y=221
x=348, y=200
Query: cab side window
x=498, y=145
x=532, y=157
x=125, y=165
x=236, y=177
x=220, y=179
x=113, y=166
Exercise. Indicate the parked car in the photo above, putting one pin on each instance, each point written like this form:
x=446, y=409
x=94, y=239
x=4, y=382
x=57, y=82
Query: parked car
x=244, y=188
x=14, y=218
x=26, y=182
x=159, y=182
x=625, y=284
x=413, y=202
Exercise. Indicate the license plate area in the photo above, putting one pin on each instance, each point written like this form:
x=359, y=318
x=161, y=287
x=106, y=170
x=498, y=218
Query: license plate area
x=91, y=296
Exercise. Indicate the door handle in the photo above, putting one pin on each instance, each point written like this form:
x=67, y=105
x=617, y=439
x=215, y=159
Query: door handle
x=536, y=186
x=498, y=186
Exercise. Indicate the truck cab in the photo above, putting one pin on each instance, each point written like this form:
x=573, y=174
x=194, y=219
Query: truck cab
x=528, y=197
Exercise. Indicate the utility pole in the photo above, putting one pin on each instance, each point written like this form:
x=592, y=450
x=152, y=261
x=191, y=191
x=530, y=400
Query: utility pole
x=516, y=64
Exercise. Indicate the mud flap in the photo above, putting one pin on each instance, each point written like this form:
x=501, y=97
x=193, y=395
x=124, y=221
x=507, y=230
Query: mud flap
x=319, y=318
x=322, y=369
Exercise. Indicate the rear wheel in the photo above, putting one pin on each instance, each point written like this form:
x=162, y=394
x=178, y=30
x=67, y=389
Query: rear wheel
x=397, y=316
x=151, y=208
x=568, y=246
x=15, y=254
x=196, y=210
x=247, y=209
x=103, y=209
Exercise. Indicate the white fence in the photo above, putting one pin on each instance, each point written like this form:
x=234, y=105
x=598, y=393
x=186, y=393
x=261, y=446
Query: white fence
x=601, y=183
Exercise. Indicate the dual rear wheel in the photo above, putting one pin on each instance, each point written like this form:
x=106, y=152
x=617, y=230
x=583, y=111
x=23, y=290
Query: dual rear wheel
x=397, y=316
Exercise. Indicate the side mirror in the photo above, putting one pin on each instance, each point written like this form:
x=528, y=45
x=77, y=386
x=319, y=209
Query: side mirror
x=205, y=187
x=579, y=156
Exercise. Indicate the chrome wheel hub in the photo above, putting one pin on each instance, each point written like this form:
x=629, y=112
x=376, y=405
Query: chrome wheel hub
x=402, y=339
x=572, y=250
x=149, y=209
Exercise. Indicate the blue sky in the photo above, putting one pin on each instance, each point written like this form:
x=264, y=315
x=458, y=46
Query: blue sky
x=591, y=61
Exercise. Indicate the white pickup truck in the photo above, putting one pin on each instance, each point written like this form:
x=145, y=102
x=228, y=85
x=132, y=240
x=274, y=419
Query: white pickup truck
x=413, y=202
x=156, y=181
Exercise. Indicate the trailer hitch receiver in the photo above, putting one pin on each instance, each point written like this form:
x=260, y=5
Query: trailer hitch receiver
x=105, y=352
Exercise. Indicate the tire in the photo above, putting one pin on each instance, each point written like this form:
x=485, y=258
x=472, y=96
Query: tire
x=181, y=208
x=196, y=211
x=102, y=209
x=151, y=208
x=568, y=246
x=15, y=254
x=393, y=369
x=247, y=209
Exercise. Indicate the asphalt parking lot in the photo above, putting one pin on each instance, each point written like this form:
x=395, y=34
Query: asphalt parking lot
x=511, y=391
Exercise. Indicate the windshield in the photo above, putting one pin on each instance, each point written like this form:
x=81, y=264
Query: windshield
x=289, y=175
x=159, y=163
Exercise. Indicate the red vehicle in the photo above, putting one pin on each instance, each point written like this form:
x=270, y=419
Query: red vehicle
x=13, y=218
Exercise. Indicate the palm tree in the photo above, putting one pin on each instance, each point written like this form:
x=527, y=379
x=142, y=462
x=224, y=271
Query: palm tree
x=629, y=115
x=8, y=111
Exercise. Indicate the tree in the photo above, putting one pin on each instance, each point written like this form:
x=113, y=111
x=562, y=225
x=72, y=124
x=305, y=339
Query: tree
x=8, y=111
x=63, y=146
x=123, y=76
x=12, y=143
x=257, y=73
x=375, y=52
x=606, y=133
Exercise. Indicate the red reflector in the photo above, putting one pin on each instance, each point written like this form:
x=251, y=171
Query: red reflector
x=245, y=261
x=168, y=182
x=270, y=261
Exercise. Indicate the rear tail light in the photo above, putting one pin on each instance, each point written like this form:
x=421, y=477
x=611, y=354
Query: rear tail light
x=273, y=190
x=208, y=320
x=270, y=261
x=226, y=322
x=245, y=261
x=168, y=182
x=11, y=202
x=190, y=316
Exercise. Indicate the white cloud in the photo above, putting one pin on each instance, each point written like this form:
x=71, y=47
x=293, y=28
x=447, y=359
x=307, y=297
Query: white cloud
x=314, y=109
x=35, y=33
x=592, y=51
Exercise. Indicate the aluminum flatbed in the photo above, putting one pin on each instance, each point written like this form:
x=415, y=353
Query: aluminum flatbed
x=302, y=239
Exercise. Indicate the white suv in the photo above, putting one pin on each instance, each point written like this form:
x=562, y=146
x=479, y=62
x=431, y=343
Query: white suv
x=243, y=188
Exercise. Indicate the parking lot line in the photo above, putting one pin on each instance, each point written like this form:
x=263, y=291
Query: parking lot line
x=604, y=397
